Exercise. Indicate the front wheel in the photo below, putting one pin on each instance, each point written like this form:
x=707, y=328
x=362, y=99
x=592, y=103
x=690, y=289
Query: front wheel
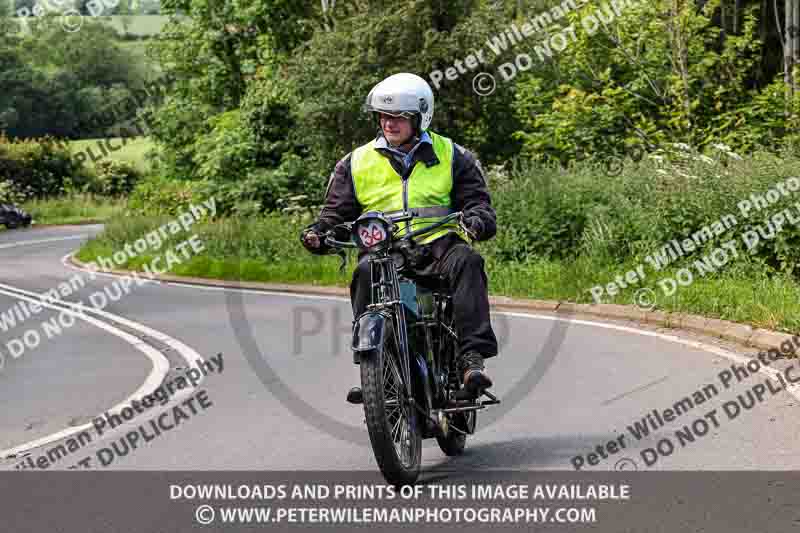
x=392, y=422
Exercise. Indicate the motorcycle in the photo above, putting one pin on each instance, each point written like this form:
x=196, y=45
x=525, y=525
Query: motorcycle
x=405, y=344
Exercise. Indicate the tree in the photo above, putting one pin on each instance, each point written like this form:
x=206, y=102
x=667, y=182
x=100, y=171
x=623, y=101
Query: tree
x=791, y=51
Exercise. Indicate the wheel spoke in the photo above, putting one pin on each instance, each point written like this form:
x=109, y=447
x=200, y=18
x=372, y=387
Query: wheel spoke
x=396, y=406
x=396, y=427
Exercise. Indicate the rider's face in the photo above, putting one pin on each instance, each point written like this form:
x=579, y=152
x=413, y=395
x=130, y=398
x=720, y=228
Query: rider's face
x=397, y=130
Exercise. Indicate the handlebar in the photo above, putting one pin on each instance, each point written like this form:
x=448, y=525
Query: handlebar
x=446, y=220
x=340, y=244
x=330, y=241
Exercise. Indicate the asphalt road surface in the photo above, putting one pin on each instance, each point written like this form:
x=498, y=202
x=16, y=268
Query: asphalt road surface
x=568, y=385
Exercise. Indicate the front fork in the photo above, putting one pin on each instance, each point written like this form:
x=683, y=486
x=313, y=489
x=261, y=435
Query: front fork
x=386, y=296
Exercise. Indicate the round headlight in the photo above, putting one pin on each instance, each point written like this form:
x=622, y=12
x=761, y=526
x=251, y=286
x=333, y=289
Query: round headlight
x=371, y=232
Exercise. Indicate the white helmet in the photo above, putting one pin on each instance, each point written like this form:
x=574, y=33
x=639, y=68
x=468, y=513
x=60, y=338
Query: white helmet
x=406, y=95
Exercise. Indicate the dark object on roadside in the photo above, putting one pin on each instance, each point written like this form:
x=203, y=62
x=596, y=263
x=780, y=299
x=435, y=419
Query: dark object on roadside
x=13, y=217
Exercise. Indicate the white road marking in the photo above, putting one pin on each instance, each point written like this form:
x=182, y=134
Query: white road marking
x=65, y=262
x=42, y=241
x=151, y=383
x=154, y=379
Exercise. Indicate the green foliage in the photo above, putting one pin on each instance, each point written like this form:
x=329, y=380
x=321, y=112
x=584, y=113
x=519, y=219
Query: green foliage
x=268, y=115
x=162, y=196
x=38, y=168
x=9, y=193
x=549, y=212
x=113, y=178
x=55, y=83
x=225, y=152
x=608, y=91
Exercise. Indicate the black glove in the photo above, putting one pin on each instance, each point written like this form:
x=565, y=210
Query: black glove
x=338, y=233
x=475, y=225
x=323, y=248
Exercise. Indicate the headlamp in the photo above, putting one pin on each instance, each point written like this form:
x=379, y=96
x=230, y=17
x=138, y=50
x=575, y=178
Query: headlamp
x=371, y=231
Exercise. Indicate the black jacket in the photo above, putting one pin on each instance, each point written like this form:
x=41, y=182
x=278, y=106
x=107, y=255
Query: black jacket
x=470, y=193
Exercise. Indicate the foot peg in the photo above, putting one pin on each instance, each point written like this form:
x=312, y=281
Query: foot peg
x=354, y=396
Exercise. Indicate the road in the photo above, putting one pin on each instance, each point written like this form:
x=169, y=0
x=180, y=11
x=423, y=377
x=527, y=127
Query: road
x=568, y=384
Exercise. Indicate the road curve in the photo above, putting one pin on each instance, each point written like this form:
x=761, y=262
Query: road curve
x=568, y=385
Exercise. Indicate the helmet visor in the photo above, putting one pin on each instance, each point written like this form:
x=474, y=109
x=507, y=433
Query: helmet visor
x=397, y=114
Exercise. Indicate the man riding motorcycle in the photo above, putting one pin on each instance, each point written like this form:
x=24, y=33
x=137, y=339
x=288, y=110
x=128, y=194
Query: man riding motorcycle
x=409, y=167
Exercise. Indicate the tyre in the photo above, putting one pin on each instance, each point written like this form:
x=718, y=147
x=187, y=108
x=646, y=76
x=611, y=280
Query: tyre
x=393, y=427
x=13, y=223
x=454, y=442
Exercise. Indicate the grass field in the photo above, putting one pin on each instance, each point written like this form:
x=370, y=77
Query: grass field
x=140, y=25
x=133, y=151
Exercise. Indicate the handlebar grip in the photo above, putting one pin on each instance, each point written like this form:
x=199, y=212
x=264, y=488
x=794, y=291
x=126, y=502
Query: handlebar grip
x=341, y=244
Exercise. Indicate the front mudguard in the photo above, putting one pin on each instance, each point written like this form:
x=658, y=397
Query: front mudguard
x=369, y=331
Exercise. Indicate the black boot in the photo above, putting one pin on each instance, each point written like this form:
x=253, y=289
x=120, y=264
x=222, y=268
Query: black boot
x=471, y=366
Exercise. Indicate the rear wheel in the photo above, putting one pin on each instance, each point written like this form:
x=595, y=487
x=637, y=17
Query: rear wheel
x=13, y=222
x=455, y=440
x=392, y=422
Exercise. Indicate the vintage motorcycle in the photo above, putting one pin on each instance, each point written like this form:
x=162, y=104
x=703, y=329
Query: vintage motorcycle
x=405, y=343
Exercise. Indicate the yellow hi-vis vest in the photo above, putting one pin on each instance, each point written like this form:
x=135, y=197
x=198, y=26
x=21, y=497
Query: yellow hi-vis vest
x=379, y=187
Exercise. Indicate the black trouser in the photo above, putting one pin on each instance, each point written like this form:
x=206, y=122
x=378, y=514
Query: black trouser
x=463, y=268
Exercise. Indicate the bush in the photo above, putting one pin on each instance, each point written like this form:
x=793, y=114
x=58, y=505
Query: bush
x=164, y=196
x=226, y=152
x=545, y=211
x=38, y=168
x=9, y=194
x=113, y=178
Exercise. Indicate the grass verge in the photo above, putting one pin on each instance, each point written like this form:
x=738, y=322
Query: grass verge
x=74, y=209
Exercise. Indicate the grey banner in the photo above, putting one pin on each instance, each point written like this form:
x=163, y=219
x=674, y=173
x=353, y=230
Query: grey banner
x=162, y=502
